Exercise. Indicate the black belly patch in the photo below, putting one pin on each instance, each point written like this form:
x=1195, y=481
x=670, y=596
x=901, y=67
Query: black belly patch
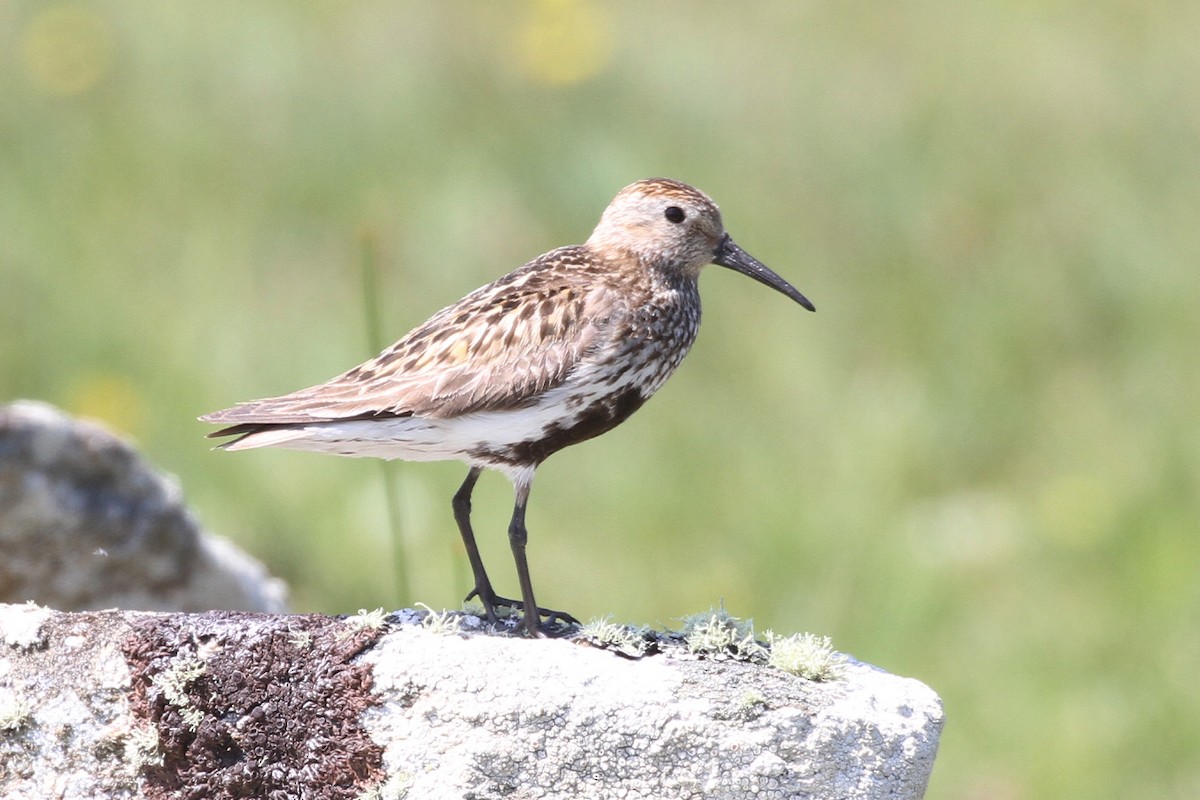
x=601, y=416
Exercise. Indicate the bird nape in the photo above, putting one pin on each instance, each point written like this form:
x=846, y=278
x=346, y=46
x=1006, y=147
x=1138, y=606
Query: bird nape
x=554, y=353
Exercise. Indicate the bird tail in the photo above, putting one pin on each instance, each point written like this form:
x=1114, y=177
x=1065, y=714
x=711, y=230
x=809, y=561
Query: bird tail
x=250, y=435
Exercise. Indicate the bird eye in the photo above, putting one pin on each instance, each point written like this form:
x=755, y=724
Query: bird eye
x=674, y=214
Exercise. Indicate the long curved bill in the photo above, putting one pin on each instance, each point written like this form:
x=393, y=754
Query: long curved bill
x=728, y=254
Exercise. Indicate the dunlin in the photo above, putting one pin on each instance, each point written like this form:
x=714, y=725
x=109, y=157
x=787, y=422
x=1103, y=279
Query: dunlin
x=556, y=352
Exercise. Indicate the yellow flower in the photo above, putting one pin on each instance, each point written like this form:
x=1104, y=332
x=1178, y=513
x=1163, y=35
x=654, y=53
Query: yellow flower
x=108, y=398
x=563, y=42
x=67, y=49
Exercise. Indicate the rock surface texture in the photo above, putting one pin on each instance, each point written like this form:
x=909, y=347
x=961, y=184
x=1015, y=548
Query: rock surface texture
x=222, y=705
x=86, y=522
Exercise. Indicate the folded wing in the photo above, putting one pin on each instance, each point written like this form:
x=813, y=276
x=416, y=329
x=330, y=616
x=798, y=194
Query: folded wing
x=497, y=348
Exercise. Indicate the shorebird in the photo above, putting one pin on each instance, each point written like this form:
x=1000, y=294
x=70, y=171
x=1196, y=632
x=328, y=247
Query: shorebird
x=558, y=351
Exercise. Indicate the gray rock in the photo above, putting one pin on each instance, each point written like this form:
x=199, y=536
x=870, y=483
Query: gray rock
x=124, y=704
x=128, y=704
x=490, y=717
x=85, y=522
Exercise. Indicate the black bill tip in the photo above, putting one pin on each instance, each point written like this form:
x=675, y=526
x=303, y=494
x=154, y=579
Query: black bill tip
x=729, y=255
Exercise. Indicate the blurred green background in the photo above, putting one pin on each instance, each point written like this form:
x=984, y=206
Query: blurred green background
x=978, y=464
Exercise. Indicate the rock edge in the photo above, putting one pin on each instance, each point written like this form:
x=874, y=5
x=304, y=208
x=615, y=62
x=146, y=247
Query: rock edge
x=119, y=704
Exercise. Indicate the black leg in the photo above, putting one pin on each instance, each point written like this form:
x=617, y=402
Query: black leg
x=462, y=515
x=517, y=538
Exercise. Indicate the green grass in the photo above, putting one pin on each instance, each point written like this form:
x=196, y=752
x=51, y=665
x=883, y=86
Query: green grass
x=978, y=464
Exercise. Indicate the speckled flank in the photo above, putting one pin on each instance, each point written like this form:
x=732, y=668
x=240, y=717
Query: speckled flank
x=248, y=705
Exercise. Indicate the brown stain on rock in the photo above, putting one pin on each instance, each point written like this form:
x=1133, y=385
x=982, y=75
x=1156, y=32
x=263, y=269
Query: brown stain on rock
x=261, y=706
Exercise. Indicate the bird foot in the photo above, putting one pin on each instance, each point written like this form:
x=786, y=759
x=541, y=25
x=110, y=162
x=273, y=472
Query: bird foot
x=550, y=622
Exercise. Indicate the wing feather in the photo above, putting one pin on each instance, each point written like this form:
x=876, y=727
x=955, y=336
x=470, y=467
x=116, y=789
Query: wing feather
x=497, y=348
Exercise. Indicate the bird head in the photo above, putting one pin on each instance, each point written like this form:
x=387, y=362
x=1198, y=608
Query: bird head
x=670, y=226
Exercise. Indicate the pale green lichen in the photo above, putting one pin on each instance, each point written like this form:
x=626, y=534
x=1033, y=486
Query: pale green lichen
x=752, y=698
x=141, y=748
x=806, y=655
x=443, y=623
x=15, y=712
x=624, y=639
x=719, y=633
x=716, y=632
x=300, y=639
x=504, y=613
x=474, y=609
x=173, y=683
x=369, y=620
x=363, y=621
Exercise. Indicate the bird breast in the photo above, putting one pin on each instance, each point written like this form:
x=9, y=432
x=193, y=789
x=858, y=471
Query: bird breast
x=642, y=349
